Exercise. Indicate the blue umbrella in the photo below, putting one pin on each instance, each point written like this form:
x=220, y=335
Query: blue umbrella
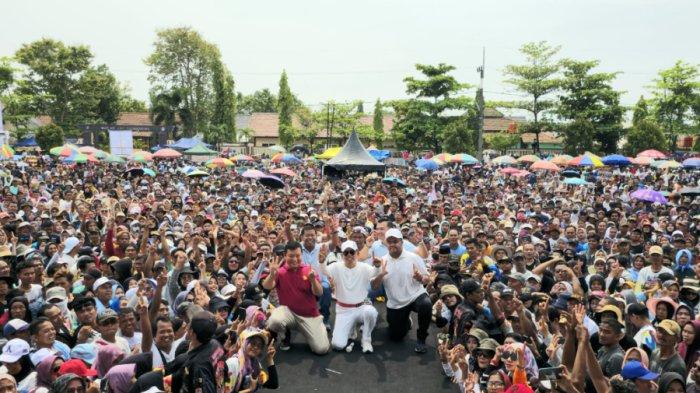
x=570, y=173
x=291, y=159
x=575, y=181
x=394, y=181
x=693, y=162
x=428, y=165
x=616, y=159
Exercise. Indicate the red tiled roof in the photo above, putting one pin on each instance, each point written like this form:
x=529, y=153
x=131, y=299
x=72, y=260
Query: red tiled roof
x=266, y=125
x=498, y=124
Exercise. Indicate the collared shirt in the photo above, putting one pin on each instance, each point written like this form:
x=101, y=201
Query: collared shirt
x=310, y=257
x=294, y=291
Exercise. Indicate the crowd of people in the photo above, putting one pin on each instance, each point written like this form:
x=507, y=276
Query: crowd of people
x=117, y=281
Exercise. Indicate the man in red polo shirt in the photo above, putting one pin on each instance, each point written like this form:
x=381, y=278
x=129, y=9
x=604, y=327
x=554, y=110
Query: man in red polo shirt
x=297, y=288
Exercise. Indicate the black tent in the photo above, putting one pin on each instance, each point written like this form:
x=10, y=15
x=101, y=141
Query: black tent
x=353, y=158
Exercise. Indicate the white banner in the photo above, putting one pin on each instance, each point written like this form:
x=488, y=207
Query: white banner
x=121, y=142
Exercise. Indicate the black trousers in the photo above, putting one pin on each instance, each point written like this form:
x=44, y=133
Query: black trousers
x=398, y=318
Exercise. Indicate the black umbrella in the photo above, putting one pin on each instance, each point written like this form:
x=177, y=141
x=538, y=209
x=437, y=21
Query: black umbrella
x=271, y=181
x=690, y=191
x=133, y=172
x=570, y=173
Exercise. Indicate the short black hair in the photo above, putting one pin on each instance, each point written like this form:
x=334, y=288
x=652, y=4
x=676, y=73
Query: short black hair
x=34, y=326
x=160, y=318
x=24, y=265
x=124, y=311
x=638, y=309
x=307, y=227
x=291, y=246
x=613, y=323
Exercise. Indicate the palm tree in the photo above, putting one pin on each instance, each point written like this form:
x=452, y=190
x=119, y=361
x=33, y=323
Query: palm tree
x=167, y=106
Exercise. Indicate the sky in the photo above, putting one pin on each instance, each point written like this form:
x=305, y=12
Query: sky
x=362, y=49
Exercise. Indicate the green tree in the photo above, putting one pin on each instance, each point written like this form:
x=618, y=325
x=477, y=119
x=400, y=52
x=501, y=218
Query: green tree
x=537, y=79
x=589, y=101
x=501, y=141
x=183, y=60
x=130, y=104
x=378, y=117
x=167, y=107
x=640, y=111
x=360, y=107
x=7, y=75
x=285, y=108
x=578, y=136
x=646, y=134
x=675, y=92
x=223, y=121
x=260, y=101
x=421, y=121
x=49, y=136
x=458, y=136
x=59, y=81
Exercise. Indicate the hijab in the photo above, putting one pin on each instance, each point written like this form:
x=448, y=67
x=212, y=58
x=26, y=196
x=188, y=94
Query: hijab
x=690, y=352
x=44, y=370
x=644, y=358
x=119, y=378
x=665, y=381
x=60, y=385
x=106, y=357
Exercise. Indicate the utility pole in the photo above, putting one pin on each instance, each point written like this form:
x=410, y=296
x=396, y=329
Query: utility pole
x=480, y=108
x=330, y=130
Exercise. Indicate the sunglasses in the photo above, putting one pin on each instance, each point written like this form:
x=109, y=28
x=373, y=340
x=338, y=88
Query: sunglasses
x=509, y=356
x=485, y=354
x=349, y=252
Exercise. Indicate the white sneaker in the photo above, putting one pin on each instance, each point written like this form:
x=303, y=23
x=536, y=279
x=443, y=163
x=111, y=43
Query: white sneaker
x=350, y=346
x=367, y=346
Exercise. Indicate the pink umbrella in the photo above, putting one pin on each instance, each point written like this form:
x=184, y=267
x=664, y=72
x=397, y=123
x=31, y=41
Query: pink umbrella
x=509, y=171
x=651, y=153
x=545, y=165
x=283, y=171
x=253, y=174
x=642, y=160
x=167, y=153
x=87, y=150
x=521, y=173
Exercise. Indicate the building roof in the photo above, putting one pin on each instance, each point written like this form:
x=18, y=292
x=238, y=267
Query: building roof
x=266, y=125
x=134, y=119
x=545, y=137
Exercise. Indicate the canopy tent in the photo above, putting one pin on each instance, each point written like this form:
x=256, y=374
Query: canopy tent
x=354, y=157
x=187, y=143
x=25, y=143
x=201, y=150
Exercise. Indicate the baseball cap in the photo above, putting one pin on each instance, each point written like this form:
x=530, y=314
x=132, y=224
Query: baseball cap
x=84, y=352
x=444, y=249
x=100, y=282
x=348, y=245
x=614, y=310
x=655, y=250
x=636, y=370
x=670, y=326
x=56, y=293
x=469, y=286
x=517, y=276
x=14, y=326
x=393, y=232
x=106, y=315
x=14, y=350
x=77, y=367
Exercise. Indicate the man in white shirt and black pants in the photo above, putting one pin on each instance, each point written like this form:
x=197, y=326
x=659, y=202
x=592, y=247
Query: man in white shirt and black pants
x=352, y=306
x=404, y=274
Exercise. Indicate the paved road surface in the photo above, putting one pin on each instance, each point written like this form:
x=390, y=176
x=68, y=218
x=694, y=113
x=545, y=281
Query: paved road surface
x=393, y=367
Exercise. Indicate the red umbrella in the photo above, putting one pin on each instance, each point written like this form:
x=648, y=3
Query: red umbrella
x=651, y=153
x=509, y=171
x=283, y=171
x=167, y=153
x=545, y=165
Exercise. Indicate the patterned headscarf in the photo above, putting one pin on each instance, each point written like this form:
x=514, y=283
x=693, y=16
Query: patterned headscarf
x=60, y=385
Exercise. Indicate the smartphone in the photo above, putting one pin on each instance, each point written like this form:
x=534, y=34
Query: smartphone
x=550, y=373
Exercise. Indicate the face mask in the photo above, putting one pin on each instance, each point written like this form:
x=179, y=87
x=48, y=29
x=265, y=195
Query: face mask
x=63, y=306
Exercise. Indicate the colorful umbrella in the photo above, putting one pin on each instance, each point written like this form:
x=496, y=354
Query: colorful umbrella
x=509, y=170
x=529, y=158
x=111, y=158
x=561, y=159
x=672, y=164
x=443, y=157
x=197, y=173
x=504, y=160
x=242, y=157
x=252, y=174
x=693, y=162
x=428, y=165
x=289, y=159
x=92, y=158
x=616, y=160
x=141, y=156
x=283, y=171
x=544, y=165
x=394, y=181
x=649, y=195
x=63, y=151
x=464, y=159
x=521, y=173
x=88, y=149
x=76, y=157
x=277, y=148
x=149, y=172
x=587, y=159
x=167, y=153
x=6, y=151
x=651, y=153
x=571, y=173
x=690, y=191
x=219, y=162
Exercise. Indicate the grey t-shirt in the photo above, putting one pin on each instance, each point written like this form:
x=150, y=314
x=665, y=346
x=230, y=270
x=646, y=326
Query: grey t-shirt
x=673, y=363
x=610, y=360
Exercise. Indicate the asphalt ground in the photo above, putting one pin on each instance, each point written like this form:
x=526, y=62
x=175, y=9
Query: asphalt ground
x=393, y=367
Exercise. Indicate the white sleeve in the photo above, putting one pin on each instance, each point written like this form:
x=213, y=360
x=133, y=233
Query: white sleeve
x=420, y=264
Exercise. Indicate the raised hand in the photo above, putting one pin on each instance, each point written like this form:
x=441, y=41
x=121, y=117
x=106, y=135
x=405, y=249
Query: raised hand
x=417, y=274
x=274, y=265
x=312, y=275
x=579, y=314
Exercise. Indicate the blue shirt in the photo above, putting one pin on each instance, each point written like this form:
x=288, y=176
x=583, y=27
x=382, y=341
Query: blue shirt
x=459, y=250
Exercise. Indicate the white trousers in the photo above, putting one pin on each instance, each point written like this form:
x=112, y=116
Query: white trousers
x=346, y=318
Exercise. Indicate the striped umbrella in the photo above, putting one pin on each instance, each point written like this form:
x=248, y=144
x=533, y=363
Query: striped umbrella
x=6, y=151
x=464, y=158
x=587, y=159
x=219, y=162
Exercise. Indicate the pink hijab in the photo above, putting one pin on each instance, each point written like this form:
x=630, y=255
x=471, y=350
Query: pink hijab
x=107, y=356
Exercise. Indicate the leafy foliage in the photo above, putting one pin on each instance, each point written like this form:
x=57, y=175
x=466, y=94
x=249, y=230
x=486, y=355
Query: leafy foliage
x=223, y=121
x=536, y=79
x=285, y=106
x=589, y=101
x=421, y=121
x=501, y=141
x=645, y=134
x=182, y=60
x=49, y=136
x=676, y=93
x=167, y=106
x=260, y=101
